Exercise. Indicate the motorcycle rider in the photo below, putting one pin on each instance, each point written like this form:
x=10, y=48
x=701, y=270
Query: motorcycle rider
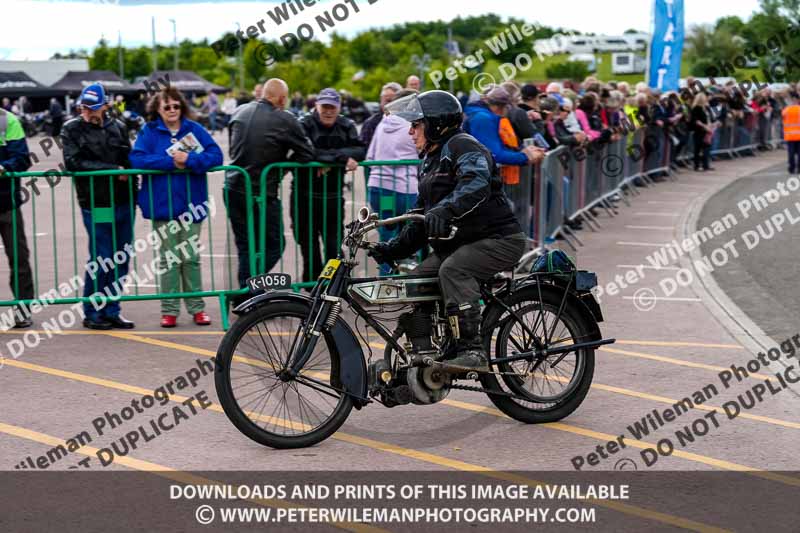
x=458, y=186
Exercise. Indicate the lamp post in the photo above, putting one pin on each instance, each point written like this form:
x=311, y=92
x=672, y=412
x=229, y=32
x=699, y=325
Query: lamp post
x=175, y=41
x=422, y=64
x=155, y=54
x=241, y=60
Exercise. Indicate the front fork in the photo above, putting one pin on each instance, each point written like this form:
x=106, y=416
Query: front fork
x=325, y=311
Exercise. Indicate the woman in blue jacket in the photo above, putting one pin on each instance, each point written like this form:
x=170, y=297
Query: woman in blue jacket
x=169, y=142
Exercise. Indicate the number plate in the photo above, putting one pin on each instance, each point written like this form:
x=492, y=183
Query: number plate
x=330, y=269
x=269, y=282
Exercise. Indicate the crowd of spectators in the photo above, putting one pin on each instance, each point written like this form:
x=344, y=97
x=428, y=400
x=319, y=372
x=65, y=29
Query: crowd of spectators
x=519, y=124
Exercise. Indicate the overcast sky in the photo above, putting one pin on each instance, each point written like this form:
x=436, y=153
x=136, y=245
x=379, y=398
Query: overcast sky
x=36, y=29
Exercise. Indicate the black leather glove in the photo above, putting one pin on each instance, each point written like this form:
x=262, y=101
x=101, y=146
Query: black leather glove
x=381, y=252
x=436, y=226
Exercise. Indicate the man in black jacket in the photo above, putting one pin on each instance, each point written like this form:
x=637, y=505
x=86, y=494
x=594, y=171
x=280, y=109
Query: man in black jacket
x=14, y=157
x=263, y=133
x=458, y=186
x=317, y=199
x=95, y=141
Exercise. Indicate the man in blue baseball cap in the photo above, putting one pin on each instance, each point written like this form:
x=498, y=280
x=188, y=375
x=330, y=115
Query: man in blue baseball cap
x=95, y=141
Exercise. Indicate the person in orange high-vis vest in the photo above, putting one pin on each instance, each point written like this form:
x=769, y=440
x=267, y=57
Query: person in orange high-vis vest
x=791, y=133
x=509, y=173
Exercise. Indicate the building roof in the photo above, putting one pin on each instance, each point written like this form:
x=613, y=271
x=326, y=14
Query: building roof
x=73, y=82
x=20, y=84
x=185, y=81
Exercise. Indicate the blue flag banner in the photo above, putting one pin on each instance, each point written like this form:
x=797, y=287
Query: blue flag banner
x=667, y=45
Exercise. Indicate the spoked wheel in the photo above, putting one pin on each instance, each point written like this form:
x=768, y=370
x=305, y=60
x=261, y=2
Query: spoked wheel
x=545, y=389
x=292, y=413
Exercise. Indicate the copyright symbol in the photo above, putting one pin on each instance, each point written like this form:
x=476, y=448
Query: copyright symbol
x=612, y=166
x=483, y=82
x=265, y=53
x=644, y=299
x=204, y=515
x=626, y=464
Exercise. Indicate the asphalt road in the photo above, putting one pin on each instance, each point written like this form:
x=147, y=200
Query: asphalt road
x=762, y=281
x=669, y=347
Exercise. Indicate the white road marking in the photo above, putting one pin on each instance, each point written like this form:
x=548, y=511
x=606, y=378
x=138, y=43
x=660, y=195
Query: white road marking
x=664, y=299
x=648, y=267
x=656, y=244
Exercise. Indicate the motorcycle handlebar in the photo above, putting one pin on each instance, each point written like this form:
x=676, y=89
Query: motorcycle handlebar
x=407, y=217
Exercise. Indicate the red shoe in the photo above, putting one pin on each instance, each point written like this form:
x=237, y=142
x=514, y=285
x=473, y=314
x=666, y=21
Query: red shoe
x=169, y=321
x=202, y=319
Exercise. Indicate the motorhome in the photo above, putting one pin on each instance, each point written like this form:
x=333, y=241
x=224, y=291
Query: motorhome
x=627, y=63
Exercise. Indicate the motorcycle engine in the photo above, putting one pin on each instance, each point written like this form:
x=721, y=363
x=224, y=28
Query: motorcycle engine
x=419, y=385
x=428, y=385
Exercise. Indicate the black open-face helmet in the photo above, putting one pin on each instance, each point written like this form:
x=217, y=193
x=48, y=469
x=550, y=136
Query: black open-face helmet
x=440, y=111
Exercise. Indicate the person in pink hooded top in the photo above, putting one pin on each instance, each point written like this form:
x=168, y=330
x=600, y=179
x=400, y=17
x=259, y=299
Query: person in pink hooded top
x=392, y=189
x=586, y=108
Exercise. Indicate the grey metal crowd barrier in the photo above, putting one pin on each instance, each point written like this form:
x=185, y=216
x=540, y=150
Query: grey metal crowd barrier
x=574, y=183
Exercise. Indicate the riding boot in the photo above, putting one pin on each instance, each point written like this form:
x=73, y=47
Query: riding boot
x=465, y=323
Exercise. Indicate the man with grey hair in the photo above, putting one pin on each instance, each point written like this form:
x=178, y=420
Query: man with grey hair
x=414, y=83
x=388, y=93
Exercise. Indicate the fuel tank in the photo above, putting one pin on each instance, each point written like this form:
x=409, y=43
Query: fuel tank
x=396, y=290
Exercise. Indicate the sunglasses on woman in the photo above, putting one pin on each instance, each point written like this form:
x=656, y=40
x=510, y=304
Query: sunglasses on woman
x=173, y=107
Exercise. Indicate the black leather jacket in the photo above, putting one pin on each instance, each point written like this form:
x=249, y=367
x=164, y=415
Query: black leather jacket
x=333, y=145
x=459, y=180
x=262, y=134
x=89, y=147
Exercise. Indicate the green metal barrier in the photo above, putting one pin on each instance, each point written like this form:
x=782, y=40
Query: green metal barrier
x=105, y=214
x=314, y=191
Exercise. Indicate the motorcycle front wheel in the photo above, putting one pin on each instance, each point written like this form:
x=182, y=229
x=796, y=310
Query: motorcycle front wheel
x=294, y=413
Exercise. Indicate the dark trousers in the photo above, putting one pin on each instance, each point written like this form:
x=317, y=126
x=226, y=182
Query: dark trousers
x=271, y=226
x=317, y=221
x=58, y=122
x=793, y=147
x=21, y=279
x=702, y=151
x=105, y=240
x=461, y=272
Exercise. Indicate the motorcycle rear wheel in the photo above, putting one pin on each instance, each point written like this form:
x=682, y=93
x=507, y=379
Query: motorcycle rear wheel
x=547, y=393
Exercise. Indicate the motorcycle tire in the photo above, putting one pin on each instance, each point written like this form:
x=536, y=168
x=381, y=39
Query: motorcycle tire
x=231, y=355
x=537, y=408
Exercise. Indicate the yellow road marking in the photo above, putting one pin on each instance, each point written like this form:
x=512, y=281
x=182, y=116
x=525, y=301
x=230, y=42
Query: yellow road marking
x=558, y=426
x=672, y=401
x=703, y=407
x=217, y=333
x=166, y=472
x=605, y=437
x=681, y=344
x=383, y=446
x=607, y=388
x=674, y=361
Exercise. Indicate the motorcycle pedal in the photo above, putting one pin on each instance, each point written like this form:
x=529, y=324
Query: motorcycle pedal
x=472, y=376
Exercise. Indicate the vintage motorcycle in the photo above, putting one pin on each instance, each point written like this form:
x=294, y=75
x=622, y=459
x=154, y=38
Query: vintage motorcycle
x=290, y=369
